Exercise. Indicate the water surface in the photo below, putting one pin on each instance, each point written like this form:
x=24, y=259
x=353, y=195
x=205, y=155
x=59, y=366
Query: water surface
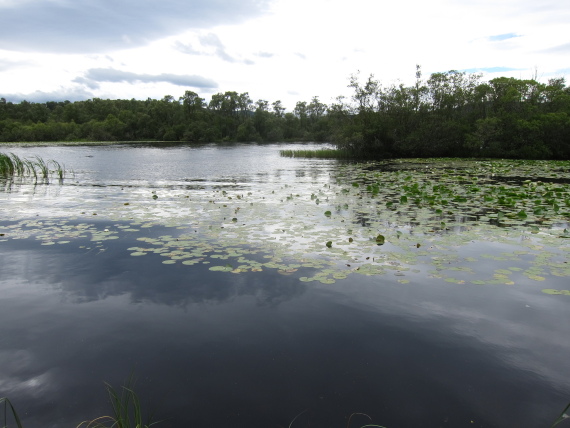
x=283, y=324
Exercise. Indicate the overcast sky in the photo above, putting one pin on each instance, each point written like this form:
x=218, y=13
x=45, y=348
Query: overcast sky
x=288, y=50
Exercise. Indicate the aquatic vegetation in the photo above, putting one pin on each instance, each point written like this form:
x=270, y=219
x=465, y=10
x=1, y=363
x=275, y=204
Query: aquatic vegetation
x=9, y=410
x=12, y=166
x=445, y=219
x=320, y=153
x=563, y=416
x=127, y=411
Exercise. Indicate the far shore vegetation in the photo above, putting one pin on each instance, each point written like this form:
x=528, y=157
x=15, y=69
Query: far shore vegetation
x=449, y=114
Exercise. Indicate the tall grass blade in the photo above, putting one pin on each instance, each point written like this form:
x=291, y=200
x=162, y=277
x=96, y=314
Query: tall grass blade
x=43, y=168
x=563, y=416
x=127, y=411
x=295, y=418
x=7, y=404
x=6, y=166
x=59, y=169
x=12, y=166
x=31, y=170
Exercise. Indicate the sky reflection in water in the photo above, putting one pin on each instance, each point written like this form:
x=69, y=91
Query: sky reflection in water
x=257, y=348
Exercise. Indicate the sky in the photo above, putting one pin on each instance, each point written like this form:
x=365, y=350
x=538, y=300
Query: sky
x=287, y=50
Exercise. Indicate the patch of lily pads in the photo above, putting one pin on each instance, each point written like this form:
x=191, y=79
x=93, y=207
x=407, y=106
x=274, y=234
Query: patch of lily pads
x=462, y=222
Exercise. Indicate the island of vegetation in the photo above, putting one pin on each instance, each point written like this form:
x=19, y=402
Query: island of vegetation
x=450, y=114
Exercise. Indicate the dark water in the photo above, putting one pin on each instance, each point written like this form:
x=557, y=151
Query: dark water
x=257, y=349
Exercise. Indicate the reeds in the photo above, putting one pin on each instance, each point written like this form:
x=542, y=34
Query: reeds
x=9, y=409
x=12, y=166
x=320, y=153
x=563, y=416
x=126, y=407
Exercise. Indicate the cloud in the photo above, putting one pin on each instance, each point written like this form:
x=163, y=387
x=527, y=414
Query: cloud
x=67, y=94
x=187, y=48
x=560, y=49
x=95, y=75
x=501, y=37
x=211, y=46
x=72, y=26
x=6, y=64
x=265, y=54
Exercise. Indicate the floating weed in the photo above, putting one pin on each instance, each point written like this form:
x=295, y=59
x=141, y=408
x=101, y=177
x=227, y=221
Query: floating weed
x=375, y=222
x=221, y=268
x=552, y=291
x=321, y=153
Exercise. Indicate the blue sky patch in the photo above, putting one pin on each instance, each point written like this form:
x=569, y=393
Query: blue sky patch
x=489, y=69
x=501, y=37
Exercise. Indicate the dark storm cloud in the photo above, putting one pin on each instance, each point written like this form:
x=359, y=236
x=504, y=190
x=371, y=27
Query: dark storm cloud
x=89, y=26
x=95, y=75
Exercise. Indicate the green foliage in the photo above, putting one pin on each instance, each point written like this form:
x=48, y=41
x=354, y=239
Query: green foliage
x=12, y=166
x=449, y=114
x=127, y=411
x=563, y=416
x=454, y=114
x=125, y=404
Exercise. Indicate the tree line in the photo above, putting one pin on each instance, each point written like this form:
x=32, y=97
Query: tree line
x=448, y=114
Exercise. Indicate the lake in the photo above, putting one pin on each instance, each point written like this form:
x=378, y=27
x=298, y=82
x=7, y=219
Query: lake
x=246, y=289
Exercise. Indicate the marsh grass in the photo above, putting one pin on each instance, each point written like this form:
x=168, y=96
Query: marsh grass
x=127, y=412
x=563, y=416
x=125, y=404
x=9, y=410
x=12, y=166
x=348, y=423
x=320, y=154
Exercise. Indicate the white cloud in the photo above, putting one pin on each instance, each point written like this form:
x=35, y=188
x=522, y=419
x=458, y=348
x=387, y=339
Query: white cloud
x=112, y=75
x=282, y=49
x=63, y=94
x=107, y=25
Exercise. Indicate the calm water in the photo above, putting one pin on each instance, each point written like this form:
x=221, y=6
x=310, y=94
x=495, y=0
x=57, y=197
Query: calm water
x=254, y=349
